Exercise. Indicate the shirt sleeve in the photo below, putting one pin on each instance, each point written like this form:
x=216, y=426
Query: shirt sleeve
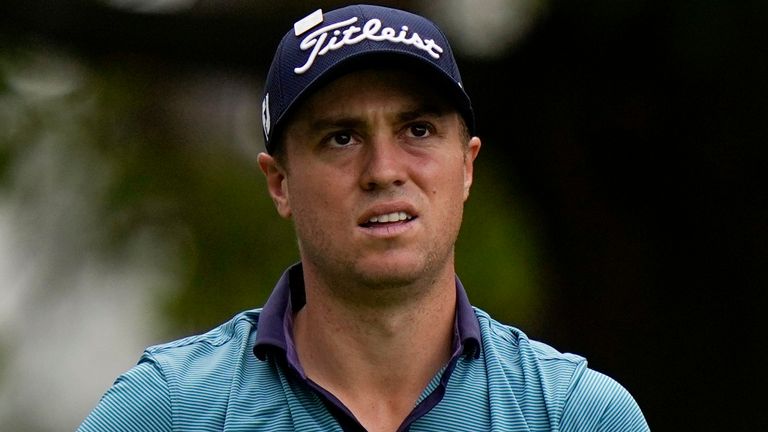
x=600, y=404
x=138, y=401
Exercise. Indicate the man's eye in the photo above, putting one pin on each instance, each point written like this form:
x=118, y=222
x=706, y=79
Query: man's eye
x=341, y=139
x=419, y=130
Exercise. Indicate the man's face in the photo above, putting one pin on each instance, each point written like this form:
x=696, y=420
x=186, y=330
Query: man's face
x=376, y=178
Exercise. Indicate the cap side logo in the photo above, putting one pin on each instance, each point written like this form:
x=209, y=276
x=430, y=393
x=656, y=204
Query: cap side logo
x=265, y=118
x=373, y=29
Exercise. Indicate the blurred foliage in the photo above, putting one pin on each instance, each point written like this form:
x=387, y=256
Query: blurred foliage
x=497, y=256
x=208, y=200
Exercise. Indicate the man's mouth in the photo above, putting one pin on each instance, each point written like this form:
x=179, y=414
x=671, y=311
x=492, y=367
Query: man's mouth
x=388, y=218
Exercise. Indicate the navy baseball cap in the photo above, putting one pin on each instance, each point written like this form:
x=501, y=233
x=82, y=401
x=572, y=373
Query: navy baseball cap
x=321, y=45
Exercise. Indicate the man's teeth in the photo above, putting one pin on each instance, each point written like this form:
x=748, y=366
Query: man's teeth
x=390, y=217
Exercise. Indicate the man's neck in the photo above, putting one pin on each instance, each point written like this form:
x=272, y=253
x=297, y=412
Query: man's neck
x=377, y=359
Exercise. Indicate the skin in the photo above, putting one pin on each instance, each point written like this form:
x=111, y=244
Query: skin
x=374, y=142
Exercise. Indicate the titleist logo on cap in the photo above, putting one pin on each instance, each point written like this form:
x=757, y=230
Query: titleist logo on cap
x=320, y=43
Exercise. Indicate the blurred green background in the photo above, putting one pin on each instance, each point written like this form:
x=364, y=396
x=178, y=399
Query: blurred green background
x=618, y=210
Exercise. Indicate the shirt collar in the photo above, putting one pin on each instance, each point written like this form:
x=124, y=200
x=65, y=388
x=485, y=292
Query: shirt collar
x=276, y=319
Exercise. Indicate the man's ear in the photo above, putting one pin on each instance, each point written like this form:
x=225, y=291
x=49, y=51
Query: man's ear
x=277, y=183
x=473, y=148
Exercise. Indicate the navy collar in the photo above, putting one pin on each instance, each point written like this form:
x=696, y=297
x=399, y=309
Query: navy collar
x=276, y=320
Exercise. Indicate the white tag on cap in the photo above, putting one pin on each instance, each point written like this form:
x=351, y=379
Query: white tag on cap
x=309, y=21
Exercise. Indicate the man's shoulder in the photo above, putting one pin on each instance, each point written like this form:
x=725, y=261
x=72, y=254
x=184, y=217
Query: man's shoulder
x=527, y=366
x=512, y=343
x=190, y=383
x=228, y=340
x=571, y=392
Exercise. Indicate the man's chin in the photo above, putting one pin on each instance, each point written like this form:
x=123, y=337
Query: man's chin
x=393, y=274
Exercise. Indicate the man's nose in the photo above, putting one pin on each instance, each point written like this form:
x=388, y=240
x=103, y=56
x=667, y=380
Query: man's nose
x=384, y=164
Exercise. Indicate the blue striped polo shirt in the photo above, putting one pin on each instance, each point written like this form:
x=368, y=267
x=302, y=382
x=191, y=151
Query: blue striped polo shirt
x=245, y=376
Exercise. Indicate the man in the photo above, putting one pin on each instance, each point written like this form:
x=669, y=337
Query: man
x=370, y=144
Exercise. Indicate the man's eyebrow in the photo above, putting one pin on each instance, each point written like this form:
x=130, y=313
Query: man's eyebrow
x=422, y=111
x=325, y=123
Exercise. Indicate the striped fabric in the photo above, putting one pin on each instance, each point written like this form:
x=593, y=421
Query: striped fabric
x=213, y=382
